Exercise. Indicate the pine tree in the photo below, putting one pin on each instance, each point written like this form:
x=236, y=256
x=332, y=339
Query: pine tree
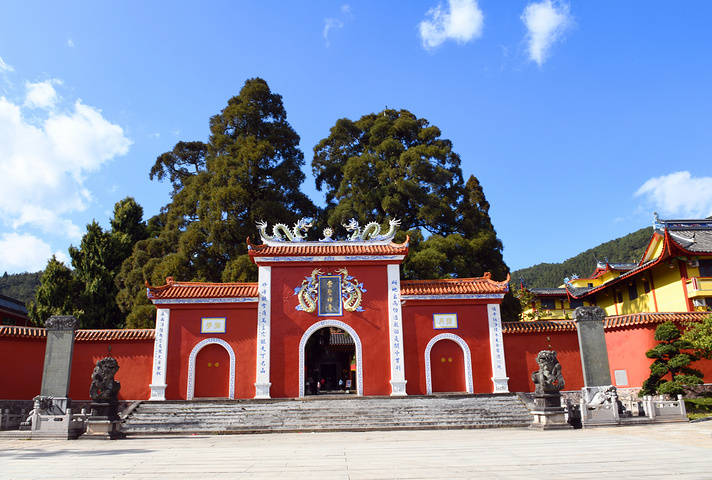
x=395, y=164
x=57, y=293
x=249, y=170
x=672, y=357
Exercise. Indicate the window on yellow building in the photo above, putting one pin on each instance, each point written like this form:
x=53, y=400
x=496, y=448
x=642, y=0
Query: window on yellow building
x=619, y=297
x=548, y=303
x=646, y=286
x=705, y=268
x=632, y=291
x=575, y=303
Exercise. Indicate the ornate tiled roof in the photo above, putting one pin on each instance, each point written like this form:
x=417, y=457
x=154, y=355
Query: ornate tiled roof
x=12, y=305
x=324, y=249
x=694, y=236
x=455, y=286
x=614, y=321
x=579, y=292
x=537, y=327
x=81, y=335
x=548, y=292
x=631, y=319
x=694, y=241
x=193, y=290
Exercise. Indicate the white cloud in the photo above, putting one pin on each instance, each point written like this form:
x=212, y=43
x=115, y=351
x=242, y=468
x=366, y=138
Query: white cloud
x=43, y=164
x=4, y=67
x=70, y=43
x=462, y=21
x=346, y=9
x=679, y=194
x=41, y=94
x=546, y=22
x=23, y=252
x=329, y=25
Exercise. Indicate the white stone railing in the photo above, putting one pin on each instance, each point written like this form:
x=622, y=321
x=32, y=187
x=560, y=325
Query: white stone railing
x=658, y=409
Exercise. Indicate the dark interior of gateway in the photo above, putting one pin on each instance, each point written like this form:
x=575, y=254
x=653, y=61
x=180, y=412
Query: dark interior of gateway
x=330, y=362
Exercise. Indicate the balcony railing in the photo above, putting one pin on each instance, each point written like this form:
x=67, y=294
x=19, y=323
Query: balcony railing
x=699, y=287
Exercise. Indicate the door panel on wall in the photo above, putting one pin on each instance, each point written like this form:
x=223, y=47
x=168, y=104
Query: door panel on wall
x=212, y=372
x=447, y=367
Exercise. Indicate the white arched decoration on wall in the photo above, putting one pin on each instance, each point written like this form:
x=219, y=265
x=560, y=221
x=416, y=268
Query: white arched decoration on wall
x=357, y=343
x=465, y=355
x=191, y=366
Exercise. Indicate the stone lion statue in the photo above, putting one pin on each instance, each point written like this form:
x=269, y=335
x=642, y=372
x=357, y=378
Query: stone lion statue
x=548, y=378
x=104, y=389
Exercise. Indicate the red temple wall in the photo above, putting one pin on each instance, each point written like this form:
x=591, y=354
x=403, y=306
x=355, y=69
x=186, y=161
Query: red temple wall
x=418, y=330
x=521, y=349
x=21, y=379
x=135, y=359
x=22, y=358
x=21, y=373
x=184, y=334
x=289, y=324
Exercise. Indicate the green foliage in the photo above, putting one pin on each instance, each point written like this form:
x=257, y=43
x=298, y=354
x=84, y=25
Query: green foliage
x=629, y=249
x=56, y=294
x=698, y=407
x=89, y=290
x=393, y=163
x=526, y=299
x=389, y=163
x=670, y=359
x=249, y=170
x=699, y=335
x=20, y=286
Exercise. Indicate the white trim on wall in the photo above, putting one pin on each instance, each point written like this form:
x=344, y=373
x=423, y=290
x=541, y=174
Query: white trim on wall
x=357, y=343
x=466, y=356
x=160, y=355
x=191, y=366
x=500, y=380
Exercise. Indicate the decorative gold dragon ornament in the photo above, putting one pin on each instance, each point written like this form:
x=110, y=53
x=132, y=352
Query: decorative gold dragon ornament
x=351, y=291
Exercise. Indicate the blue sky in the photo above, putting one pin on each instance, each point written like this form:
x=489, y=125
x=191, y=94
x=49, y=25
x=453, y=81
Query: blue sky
x=579, y=118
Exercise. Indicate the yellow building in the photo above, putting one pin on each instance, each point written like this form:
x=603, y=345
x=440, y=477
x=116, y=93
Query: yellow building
x=674, y=275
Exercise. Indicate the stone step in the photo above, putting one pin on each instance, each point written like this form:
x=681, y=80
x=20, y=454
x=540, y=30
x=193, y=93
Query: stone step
x=328, y=414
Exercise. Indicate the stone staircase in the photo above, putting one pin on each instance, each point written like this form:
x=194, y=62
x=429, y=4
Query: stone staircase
x=328, y=413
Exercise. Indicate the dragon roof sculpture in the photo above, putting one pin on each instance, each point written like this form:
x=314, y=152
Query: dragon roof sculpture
x=369, y=234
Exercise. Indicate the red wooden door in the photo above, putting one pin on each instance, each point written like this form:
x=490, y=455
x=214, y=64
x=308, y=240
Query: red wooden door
x=447, y=367
x=212, y=372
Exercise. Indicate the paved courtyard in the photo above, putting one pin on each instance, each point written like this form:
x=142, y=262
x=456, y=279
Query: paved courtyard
x=681, y=451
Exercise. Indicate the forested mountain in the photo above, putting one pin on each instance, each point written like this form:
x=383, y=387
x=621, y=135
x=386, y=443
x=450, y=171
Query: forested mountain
x=20, y=286
x=627, y=249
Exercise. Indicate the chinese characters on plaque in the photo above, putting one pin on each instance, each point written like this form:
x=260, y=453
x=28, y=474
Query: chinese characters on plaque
x=444, y=320
x=330, y=295
x=212, y=325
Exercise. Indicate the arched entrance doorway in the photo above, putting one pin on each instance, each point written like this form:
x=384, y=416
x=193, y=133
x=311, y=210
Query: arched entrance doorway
x=448, y=365
x=330, y=356
x=211, y=370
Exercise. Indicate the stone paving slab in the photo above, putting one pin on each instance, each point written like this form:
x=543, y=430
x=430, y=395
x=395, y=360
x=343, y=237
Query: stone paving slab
x=680, y=451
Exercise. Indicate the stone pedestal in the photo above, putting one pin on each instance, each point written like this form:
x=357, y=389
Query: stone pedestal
x=104, y=422
x=548, y=412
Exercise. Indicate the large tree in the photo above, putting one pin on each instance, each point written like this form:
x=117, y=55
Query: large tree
x=249, y=170
x=89, y=290
x=395, y=164
x=57, y=293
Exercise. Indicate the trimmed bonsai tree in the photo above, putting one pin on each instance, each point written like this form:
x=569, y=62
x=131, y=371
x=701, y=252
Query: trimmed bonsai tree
x=670, y=373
